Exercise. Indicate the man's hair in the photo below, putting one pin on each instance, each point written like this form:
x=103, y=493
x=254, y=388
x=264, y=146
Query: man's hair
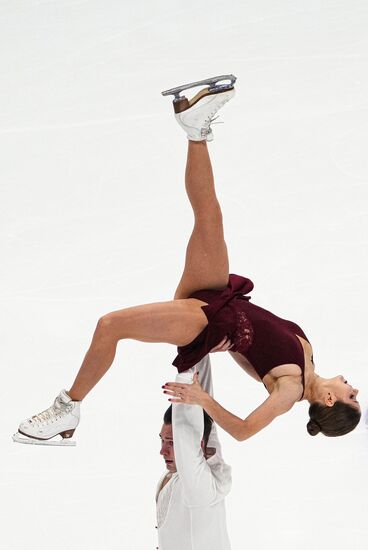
x=207, y=423
x=339, y=419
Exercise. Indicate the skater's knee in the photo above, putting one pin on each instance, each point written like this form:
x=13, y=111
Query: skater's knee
x=105, y=327
x=211, y=215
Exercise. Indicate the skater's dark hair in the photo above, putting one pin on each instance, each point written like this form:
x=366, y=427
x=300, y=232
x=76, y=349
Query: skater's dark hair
x=207, y=423
x=339, y=419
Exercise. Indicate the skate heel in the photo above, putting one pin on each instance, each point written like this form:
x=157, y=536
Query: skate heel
x=181, y=104
x=67, y=434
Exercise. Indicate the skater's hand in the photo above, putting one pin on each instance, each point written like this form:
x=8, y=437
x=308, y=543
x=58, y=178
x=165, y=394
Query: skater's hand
x=191, y=394
x=224, y=345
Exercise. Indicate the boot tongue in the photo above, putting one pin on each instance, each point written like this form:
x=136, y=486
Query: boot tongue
x=62, y=399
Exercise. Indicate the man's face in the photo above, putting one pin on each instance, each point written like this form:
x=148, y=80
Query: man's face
x=167, y=447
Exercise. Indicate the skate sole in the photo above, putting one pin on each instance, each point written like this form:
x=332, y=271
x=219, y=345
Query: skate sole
x=64, y=442
x=184, y=104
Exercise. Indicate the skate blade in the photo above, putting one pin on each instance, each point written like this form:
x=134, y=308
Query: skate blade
x=18, y=438
x=211, y=81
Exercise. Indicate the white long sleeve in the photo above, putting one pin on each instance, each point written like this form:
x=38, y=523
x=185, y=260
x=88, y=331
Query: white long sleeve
x=191, y=512
x=204, y=481
x=205, y=379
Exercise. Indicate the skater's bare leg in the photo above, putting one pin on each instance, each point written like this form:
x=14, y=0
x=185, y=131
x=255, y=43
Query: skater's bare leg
x=206, y=262
x=180, y=321
x=176, y=322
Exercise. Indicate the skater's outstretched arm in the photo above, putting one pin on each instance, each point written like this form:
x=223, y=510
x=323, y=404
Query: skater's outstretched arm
x=279, y=402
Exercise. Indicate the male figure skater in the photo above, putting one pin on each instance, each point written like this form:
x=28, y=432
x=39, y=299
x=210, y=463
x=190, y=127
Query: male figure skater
x=191, y=494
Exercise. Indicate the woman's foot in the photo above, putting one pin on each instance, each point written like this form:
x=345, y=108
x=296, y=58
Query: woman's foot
x=61, y=418
x=197, y=117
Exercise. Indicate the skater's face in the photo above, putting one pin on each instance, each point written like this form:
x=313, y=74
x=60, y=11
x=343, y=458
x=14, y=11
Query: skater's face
x=343, y=391
x=167, y=447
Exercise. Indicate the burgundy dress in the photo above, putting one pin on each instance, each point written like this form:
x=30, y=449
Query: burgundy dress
x=263, y=338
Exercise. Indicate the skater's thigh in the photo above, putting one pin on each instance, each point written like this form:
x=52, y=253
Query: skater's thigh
x=176, y=322
x=206, y=262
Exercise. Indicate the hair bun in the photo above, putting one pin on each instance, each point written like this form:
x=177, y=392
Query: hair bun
x=313, y=427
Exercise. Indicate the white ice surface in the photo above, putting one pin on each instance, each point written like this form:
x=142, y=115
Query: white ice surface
x=94, y=218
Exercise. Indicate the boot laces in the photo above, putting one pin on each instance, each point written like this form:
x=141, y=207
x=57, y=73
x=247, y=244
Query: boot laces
x=52, y=414
x=207, y=124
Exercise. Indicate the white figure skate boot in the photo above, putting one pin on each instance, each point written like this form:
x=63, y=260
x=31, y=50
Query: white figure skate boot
x=61, y=418
x=196, y=115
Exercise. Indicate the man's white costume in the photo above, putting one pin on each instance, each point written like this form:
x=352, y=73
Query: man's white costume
x=191, y=506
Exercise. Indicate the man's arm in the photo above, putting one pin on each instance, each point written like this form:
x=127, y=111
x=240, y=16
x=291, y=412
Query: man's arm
x=205, y=379
x=201, y=486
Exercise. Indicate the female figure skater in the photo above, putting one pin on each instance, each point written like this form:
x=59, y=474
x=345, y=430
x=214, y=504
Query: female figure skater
x=210, y=312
